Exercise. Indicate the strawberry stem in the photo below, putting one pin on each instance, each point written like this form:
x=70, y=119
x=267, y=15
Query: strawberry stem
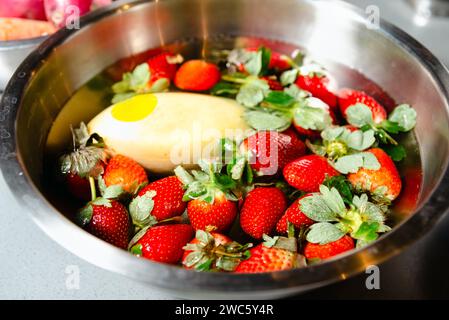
x=226, y=254
x=233, y=79
x=93, y=192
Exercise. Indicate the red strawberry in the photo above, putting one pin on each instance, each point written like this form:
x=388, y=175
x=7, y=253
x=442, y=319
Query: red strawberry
x=168, y=199
x=108, y=220
x=308, y=172
x=164, y=243
x=279, y=61
x=213, y=251
x=387, y=176
x=273, y=83
x=270, y=256
x=262, y=209
x=197, y=75
x=125, y=172
x=78, y=187
x=219, y=214
x=295, y=216
x=163, y=65
x=325, y=251
x=270, y=151
x=318, y=86
x=349, y=97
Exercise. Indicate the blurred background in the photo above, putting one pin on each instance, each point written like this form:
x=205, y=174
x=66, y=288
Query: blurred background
x=37, y=268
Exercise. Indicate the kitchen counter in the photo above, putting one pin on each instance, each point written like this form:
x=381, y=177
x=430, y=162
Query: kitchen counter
x=35, y=267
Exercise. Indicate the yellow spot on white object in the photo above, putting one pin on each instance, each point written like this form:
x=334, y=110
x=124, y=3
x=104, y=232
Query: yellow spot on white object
x=134, y=109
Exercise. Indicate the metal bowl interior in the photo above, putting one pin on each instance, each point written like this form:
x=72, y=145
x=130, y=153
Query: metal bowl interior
x=330, y=30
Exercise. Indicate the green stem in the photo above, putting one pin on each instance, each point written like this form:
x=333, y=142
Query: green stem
x=232, y=79
x=226, y=254
x=93, y=192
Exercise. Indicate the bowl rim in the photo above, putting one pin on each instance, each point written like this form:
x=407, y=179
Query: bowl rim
x=57, y=226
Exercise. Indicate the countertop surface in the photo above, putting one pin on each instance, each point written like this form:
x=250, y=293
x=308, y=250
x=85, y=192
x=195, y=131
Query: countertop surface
x=35, y=267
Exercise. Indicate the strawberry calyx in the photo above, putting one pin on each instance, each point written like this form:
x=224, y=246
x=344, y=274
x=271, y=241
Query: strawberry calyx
x=143, y=80
x=207, y=184
x=401, y=119
x=88, y=155
x=361, y=219
x=108, y=194
x=140, y=210
x=206, y=254
x=345, y=149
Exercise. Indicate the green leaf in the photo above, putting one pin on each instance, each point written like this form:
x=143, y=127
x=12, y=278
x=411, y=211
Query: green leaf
x=369, y=211
x=204, y=266
x=84, y=215
x=113, y=192
x=102, y=202
x=183, y=175
x=252, y=92
x=316, y=208
x=390, y=126
x=360, y=140
x=367, y=232
x=195, y=190
x=122, y=97
x=353, y=162
x=279, y=99
x=269, y=242
x=316, y=148
x=193, y=258
x=312, y=118
x=298, y=59
x=136, y=250
x=238, y=168
x=249, y=175
x=204, y=237
x=260, y=120
x=225, y=89
x=224, y=182
x=296, y=92
x=254, y=65
x=140, y=77
x=359, y=115
x=121, y=86
x=333, y=199
x=140, y=209
x=266, y=57
x=227, y=263
x=323, y=233
x=396, y=153
x=404, y=116
x=333, y=133
x=160, y=85
x=289, y=77
x=343, y=186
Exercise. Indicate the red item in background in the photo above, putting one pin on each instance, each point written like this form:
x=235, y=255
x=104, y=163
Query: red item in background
x=27, y=9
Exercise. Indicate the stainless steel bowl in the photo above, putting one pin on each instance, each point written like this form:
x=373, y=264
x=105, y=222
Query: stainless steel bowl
x=12, y=54
x=328, y=29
